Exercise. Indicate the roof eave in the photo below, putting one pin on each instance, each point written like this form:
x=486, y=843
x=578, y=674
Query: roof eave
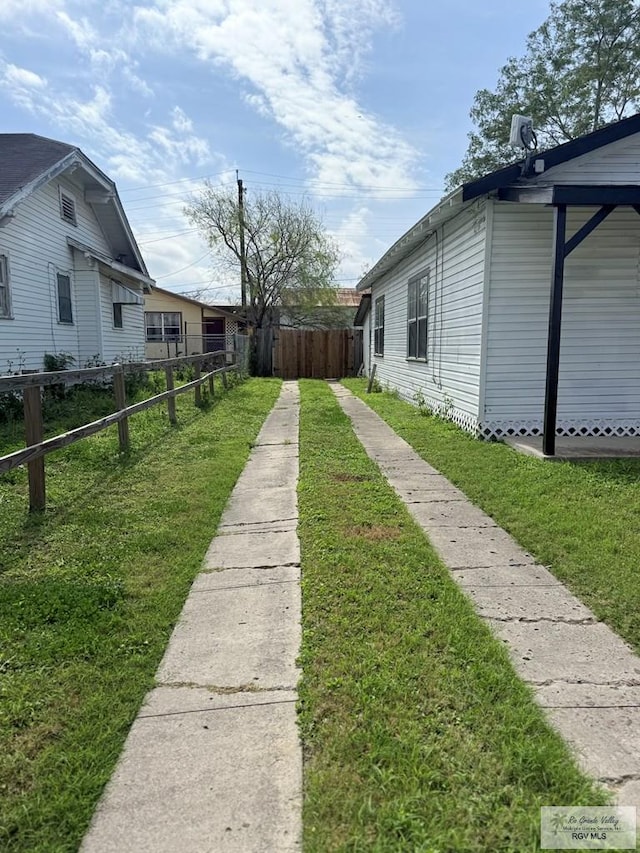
x=445, y=209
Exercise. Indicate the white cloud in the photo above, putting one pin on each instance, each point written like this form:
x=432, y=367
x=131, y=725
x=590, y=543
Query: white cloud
x=296, y=54
x=16, y=11
x=22, y=77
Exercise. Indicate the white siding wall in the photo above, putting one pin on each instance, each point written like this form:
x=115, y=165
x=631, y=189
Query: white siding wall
x=367, y=343
x=617, y=163
x=36, y=244
x=451, y=375
x=599, y=387
x=127, y=343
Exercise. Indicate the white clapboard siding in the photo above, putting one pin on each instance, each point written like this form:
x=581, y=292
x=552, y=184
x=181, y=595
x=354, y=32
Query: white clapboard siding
x=599, y=382
x=450, y=377
x=35, y=242
x=616, y=163
x=127, y=343
x=367, y=336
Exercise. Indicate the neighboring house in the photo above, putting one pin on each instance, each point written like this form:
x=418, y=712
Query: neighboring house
x=71, y=275
x=178, y=325
x=461, y=307
x=338, y=315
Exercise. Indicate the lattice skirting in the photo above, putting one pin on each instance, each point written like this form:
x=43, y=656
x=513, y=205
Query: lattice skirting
x=596, y=427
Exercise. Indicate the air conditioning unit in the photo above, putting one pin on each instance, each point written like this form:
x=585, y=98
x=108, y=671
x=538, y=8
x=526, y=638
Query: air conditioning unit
x=522, y=135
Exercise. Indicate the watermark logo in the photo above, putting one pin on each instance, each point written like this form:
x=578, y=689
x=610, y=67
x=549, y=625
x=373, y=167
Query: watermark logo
x=588, y=828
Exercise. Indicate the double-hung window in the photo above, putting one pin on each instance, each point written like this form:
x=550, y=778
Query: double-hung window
x=5, y=296
x=378, y=327
x=162, y=325
x=65, y=307
x=417, y=315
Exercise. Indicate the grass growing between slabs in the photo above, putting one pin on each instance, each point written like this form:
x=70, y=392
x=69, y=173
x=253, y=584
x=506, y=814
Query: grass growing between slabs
x=417, y=733
x=580, y=518
x=89, y=593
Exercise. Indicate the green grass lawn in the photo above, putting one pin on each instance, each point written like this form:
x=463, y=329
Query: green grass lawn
x=418, y=735
x=582, y=519
x=89, y=593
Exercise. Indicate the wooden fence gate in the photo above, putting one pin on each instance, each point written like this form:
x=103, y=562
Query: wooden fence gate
x=313, y=353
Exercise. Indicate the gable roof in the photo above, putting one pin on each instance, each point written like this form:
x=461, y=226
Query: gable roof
x=228, y=312
x=24, y=157
x=462, y=196
x=29, y=161
x=553, y=156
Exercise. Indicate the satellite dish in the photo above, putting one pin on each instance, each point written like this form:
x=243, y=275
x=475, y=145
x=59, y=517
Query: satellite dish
x=522, y=133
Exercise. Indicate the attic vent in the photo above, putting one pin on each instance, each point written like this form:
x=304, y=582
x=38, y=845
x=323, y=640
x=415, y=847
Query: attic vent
x=68, y=207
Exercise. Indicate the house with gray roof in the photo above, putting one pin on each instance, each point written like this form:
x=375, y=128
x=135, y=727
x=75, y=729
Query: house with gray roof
x=72, y=278
x=513, y=306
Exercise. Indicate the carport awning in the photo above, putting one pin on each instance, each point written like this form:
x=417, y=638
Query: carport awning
x=124, y=295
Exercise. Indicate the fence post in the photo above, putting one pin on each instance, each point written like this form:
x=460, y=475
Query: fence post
x=120, y=395
x=372, y=378
x=198, y=388
x=34, y=434
x=224, y=378
x=210, y=368
x=171, y=401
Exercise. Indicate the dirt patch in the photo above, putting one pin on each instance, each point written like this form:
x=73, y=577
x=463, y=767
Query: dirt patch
x=374, y=532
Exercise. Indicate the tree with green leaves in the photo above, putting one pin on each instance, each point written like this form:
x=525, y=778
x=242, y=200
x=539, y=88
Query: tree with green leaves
x=289, y=261
x=580, y=71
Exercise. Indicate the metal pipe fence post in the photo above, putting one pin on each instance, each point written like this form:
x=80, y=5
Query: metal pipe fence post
x=120, y=395
x=171, y=401
x=34, y=434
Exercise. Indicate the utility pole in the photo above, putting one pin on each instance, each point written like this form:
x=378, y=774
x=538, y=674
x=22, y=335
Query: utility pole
x=243, y=257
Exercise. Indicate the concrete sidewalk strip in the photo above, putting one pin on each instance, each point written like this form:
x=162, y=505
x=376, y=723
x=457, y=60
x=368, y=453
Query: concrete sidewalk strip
x=213, y=761
x=239, y=636
x=584, y=676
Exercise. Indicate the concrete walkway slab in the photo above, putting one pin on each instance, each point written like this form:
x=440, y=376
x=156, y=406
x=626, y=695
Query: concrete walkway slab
x=246, y=550
x=205, y=773
x=236, y=636
x=249, y=505
x=213, y=761
x=584, y=676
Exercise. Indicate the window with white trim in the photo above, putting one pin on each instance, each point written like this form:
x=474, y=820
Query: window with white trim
x=162, y=326
x=68, y=207
x=117, y=315
x=417, y=315
x=5, y=295
x=378, y=328
x=65, y=305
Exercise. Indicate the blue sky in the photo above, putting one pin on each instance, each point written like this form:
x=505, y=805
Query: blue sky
x=360, y=106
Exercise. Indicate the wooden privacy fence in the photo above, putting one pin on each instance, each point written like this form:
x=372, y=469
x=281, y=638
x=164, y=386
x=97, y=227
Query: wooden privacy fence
x=32, y=384
x=313, y=353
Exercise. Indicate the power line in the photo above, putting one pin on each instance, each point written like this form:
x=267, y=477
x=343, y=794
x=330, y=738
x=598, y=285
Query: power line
x=167, y=275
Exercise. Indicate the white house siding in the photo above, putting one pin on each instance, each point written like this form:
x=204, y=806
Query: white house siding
x=617, y=163
x=87, y=309
x=35, y=241
x=449, y=380
x=127, y=343
x=599, y=386
x=367, y=343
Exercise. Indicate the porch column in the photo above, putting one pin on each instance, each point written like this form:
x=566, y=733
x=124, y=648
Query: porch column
x=553, y=340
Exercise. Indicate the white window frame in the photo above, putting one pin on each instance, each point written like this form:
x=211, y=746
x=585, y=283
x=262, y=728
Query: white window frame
x=164, y=338
x=64, y=274
x=6, y=312
x=378, y=327
x=418, y=316
x=71, y=198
